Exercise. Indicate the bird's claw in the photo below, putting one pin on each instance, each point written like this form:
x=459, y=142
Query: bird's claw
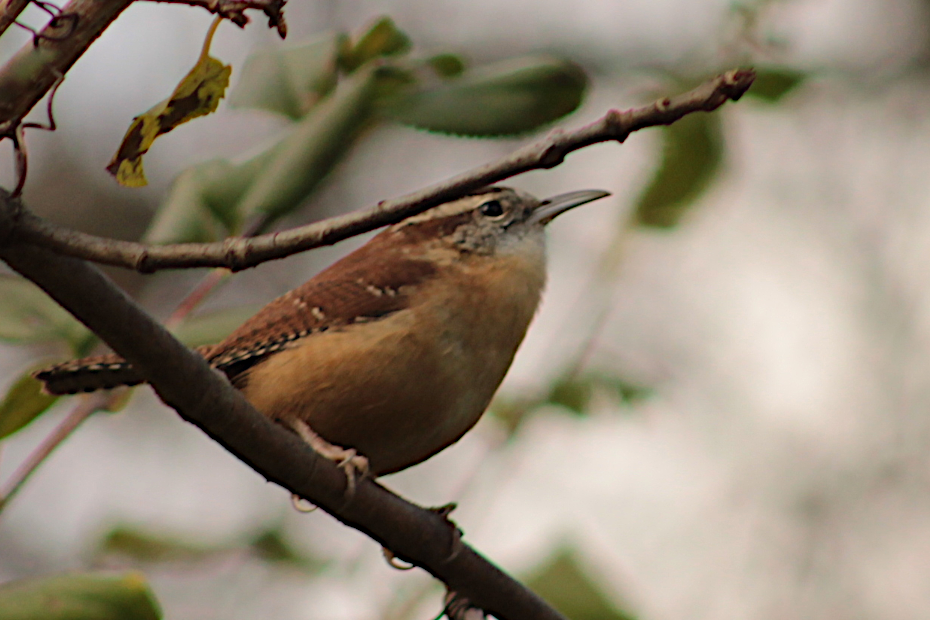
x=354, y=465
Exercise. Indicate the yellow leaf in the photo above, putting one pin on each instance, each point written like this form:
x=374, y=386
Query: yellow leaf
x=198, y=94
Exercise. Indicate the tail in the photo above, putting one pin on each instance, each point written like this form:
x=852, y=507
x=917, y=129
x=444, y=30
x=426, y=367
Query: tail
x=89, y=374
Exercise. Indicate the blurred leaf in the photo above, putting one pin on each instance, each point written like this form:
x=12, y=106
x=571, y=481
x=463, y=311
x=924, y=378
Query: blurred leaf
x=301, y=160
x=268, y=545
x=506, y=98
x=511, y=413
x=184, y=216
x=288, y=81
x=627, y=392
x=271, y=546
x=563, y=584
x=199, y=93
x=148, y=547
x=772, y=84
x=28, y=315
x=79, y=596
x=382, y=39
x=571, y=393
x=390, y=80
x=212, y=327
x=575, y=393
x=23, y=403
x=220, y=193
x=446, y=65
x=691, y=156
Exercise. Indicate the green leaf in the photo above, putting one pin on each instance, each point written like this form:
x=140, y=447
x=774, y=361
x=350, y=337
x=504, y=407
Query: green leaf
x=301, y=160
x=271, y=546
x=288, y=81
x=575, y=393
x=506, y=98
x=771, y=85
x=382, y=39
x=144, y=546
x=691, y=156
x=147, y=547
x=212, y=327
x=629, y=393
x=185, y=215
x=563, y=584
x=79, y=596
x=447, y=65
x=28, y=315
x=23, y=403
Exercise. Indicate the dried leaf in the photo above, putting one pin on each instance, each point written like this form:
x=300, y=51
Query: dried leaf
x=198, y=94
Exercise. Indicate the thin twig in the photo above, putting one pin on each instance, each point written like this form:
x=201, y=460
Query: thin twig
x=241, y=253
x=84, y=409
x=34, y=69
x=9, y=11
x=234, y=10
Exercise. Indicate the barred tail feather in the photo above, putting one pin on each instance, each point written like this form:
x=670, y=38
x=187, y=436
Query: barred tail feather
x=89, y=374
x=102, y=372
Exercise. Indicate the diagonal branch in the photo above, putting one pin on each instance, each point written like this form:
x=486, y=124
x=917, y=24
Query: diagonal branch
x=241, y=253
x=9, y=11
x=205, y=398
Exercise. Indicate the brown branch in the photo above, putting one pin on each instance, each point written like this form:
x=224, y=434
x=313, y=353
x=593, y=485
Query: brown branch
x=9, y=11
x=205, y=398
x=241, y=253
x=35, y=68
x=234, y=10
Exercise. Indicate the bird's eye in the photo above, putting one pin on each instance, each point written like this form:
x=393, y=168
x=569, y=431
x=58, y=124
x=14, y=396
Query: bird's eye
x=492, y=208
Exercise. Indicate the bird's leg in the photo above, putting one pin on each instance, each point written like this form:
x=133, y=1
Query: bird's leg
x=351, y=462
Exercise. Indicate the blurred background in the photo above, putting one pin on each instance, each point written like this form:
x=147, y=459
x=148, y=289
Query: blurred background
x=725, y=416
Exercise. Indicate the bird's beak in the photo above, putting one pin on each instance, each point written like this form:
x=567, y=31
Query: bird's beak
x=549, y=209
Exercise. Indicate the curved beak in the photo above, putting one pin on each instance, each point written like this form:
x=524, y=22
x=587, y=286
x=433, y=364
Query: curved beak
x=549, y=209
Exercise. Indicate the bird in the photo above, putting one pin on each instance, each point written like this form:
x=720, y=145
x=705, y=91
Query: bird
x=394, y=352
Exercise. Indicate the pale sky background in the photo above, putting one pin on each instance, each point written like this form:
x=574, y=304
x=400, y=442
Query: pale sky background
x=780, y=468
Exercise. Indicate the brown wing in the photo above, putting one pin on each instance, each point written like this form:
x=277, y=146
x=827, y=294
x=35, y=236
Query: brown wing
x=372, y=282
x=364, y=286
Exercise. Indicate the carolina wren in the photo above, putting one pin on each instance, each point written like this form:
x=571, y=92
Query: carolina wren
x=396, y=350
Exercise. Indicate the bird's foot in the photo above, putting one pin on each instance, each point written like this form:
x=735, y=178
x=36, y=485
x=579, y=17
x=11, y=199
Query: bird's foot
x=457, y=544
x=348, y=460
x=457, y=607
